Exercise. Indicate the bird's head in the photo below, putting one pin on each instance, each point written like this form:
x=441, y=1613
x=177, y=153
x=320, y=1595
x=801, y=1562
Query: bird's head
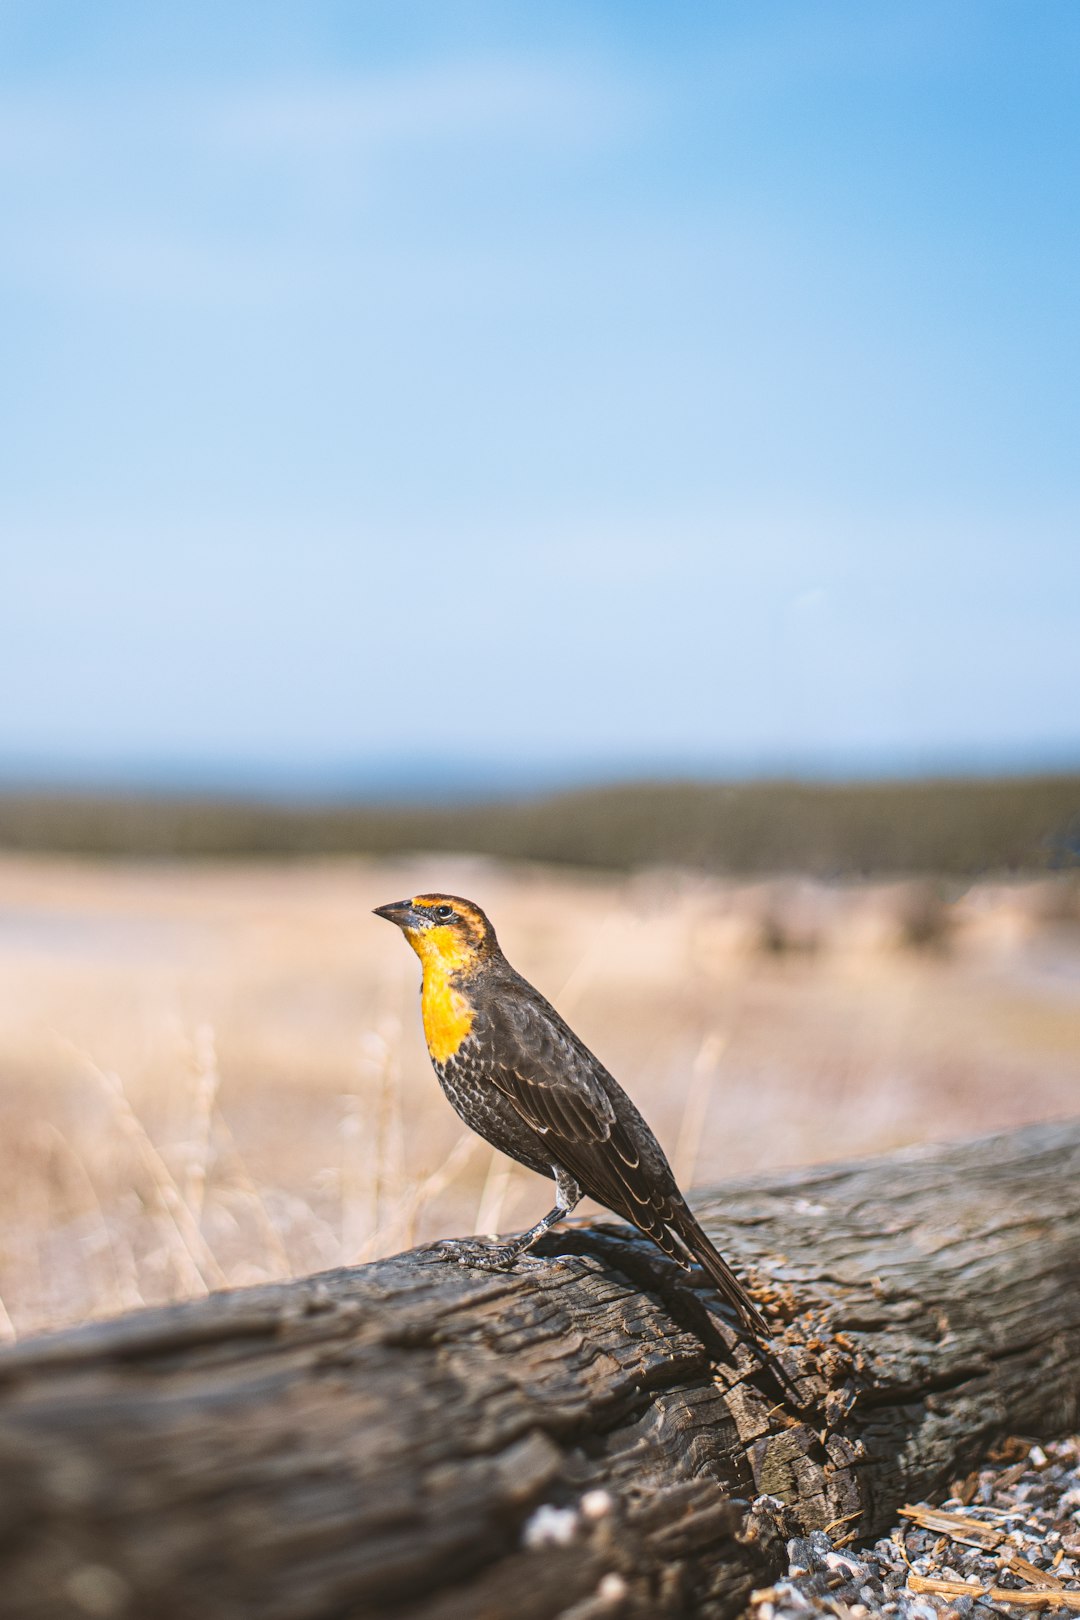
x=445, y=931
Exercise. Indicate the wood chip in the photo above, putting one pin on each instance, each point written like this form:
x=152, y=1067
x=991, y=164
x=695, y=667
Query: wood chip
x=957, y=1526
x=1029, y=1572
x=1039, y=1597
x=966, y=1490
x=847, y=1518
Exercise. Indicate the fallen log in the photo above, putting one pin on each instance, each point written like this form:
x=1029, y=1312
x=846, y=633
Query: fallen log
x=590, y=1437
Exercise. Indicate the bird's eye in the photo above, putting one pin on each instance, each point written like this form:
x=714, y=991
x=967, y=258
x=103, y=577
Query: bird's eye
x=443, y=912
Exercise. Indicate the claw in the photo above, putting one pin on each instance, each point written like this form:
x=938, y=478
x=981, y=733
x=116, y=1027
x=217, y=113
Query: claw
x=487, y=1256
x=493, y=1259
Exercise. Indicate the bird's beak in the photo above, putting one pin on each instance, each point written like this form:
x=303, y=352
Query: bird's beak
x=398, y=911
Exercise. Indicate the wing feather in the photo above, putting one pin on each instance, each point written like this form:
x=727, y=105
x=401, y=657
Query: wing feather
x=556, y=1085
x=561, y=1090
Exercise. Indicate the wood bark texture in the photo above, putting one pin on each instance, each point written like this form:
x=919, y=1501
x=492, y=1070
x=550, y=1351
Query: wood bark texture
x=586, y=1438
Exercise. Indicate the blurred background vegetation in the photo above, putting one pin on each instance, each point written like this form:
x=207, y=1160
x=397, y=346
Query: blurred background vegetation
x=959, y=827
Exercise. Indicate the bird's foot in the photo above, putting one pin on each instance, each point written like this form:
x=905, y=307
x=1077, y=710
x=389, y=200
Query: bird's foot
x=487, y=1256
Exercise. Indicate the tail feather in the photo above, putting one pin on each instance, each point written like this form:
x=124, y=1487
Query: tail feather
x=727, y=1284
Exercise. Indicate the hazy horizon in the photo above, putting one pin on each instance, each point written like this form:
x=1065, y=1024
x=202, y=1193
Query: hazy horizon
x=446, y=780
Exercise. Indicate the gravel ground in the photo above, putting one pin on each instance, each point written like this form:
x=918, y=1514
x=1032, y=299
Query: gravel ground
x=1006, y=1541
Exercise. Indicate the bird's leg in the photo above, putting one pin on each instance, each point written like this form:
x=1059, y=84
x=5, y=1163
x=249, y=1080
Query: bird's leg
x=501, y=1256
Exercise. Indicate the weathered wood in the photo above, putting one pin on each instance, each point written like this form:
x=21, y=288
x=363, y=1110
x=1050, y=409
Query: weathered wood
x=389, y=1441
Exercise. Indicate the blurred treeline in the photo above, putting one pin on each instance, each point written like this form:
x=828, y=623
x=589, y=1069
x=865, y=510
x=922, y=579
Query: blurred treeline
x=951, y=826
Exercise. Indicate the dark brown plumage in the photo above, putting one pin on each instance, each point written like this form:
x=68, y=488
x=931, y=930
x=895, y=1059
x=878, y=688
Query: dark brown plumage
x=519, y=1076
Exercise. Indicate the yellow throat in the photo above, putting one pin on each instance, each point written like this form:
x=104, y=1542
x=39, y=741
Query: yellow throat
x=448, y=1017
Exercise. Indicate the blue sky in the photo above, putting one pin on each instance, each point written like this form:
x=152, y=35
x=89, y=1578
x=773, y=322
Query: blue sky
x=570, y=387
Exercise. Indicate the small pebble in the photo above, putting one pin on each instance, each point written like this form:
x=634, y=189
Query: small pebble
x=550, y=1526
x=1034, y=1503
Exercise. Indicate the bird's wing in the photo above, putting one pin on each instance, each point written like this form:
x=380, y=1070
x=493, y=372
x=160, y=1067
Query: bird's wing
x=553, y=1082
x=565, y=1095
x=548, y=1075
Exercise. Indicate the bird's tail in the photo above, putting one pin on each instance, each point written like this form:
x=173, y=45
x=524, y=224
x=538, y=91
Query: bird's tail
x=727, y=1284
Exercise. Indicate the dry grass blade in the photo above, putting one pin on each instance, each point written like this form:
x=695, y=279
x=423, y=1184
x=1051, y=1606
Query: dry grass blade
x=1042, y=1597
x=122, y=1292
x=493, y=1195
x=358, y=1188
x=957, y=1526
x=200, y=1268
x=245, y=1182
x=578, y=979
x=698, y=1096
x=402, y=1224
x=388, y=1180
x=438, y=1181
x=207, y=1085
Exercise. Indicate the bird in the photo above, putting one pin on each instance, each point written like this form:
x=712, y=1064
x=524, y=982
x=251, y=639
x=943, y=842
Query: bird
x=519, y=1077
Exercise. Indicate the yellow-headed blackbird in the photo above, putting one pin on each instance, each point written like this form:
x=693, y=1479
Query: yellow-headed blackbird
x=519, y=1077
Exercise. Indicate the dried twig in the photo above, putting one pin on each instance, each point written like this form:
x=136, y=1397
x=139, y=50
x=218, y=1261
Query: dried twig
x=1039, y=1597
x=957, y=1526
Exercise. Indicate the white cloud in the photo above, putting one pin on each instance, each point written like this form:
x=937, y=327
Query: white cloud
x=553, y=105
x=150, y=193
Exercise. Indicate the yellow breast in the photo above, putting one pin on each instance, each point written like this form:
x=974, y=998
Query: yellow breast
x=448, y=1017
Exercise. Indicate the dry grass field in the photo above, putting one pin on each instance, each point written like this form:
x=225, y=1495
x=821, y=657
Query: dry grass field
x=214, y=1074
